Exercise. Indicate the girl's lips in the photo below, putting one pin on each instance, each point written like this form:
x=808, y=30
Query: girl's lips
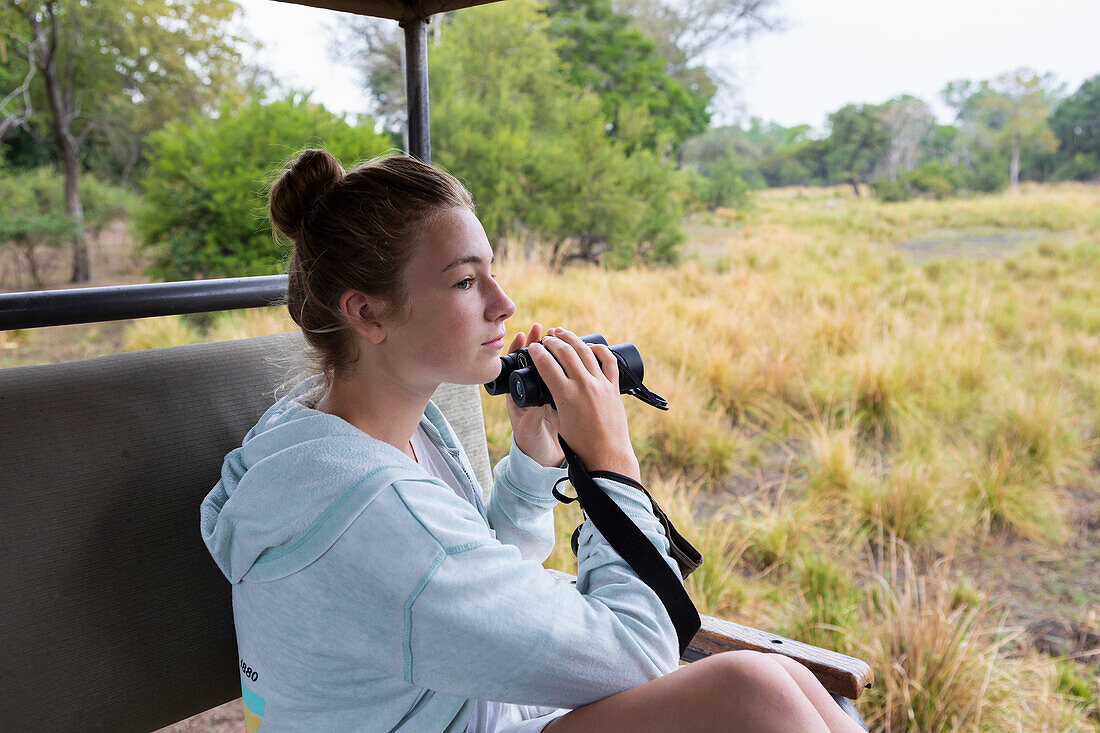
x=495, y=343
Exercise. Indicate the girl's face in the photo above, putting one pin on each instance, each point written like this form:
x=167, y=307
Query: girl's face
x=454, y=329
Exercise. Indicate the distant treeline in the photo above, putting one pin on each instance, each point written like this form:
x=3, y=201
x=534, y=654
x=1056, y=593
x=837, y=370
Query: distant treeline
x=1015, y=127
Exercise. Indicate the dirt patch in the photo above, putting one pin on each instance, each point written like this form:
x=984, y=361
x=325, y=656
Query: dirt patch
x=1052, y=593
x=977, y=242
x=708, y=239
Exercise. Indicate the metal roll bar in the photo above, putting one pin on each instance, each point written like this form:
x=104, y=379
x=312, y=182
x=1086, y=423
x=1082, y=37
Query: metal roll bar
x=39, y=308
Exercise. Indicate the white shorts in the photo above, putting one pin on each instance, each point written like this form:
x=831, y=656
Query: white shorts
x=503, y=717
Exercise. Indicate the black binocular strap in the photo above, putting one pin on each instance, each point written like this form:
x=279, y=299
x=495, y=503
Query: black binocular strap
x=635, y=548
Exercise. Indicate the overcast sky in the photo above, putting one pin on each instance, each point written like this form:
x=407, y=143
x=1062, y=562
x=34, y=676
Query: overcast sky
x=833, y=52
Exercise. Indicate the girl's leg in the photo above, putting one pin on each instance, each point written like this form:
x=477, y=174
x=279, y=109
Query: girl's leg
x=826, y=707
x=734, y=691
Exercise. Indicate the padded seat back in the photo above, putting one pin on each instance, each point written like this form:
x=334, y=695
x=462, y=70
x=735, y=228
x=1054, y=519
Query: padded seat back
x=114, y=615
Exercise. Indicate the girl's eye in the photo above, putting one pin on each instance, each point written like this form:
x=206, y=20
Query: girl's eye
x=469, y=281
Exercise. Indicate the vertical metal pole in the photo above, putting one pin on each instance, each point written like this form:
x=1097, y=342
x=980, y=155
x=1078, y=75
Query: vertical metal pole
x=416, y=85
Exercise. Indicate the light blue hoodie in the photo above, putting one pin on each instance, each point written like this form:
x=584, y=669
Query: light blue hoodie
x=367, y=596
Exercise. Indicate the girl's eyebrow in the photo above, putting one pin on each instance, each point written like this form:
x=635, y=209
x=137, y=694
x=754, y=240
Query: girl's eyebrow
x=467, y=259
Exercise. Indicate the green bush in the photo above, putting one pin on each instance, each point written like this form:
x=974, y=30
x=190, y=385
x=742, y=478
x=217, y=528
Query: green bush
x=891, y=191
x=720, y=183
x=32, y=212
x=933, y=179
x=987, y=172
x=936, y=179
x=103, y=203
x=32, y=208
x=1081, y=167
x=204, y=212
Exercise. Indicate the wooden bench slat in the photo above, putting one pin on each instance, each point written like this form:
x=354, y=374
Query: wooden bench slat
x=838, y=673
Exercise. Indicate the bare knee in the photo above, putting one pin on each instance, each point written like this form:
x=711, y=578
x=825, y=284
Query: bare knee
x=757, y=671
x=795, y=669
x=756, y=688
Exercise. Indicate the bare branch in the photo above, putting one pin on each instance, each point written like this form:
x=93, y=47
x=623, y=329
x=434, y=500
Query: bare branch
x=694, y=27
x=23, y=53
x=12, y=120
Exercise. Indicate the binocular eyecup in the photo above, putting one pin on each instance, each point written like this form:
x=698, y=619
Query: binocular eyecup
x=519, y=378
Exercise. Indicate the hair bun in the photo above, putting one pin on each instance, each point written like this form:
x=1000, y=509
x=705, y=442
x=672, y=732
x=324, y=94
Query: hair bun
x=296, y=191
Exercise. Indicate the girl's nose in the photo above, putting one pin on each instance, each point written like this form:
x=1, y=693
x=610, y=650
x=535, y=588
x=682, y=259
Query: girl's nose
x=501, y=307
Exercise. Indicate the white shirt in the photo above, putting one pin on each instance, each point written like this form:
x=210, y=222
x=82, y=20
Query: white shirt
x=429, y=457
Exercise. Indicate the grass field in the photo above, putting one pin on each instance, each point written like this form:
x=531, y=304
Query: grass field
x=884, y=434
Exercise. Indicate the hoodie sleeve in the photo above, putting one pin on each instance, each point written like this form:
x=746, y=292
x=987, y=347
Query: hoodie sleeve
x=474, y=619
x=521, y=506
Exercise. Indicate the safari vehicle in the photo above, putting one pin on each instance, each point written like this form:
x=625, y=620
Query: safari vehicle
x=114, y=616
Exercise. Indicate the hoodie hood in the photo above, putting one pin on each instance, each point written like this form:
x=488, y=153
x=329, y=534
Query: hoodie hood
x=299, y=479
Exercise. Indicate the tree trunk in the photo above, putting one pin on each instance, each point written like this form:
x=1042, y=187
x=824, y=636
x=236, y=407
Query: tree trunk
x=27, y=248
x=555, y=256
x=855, y=185
x=1014, y=167
x=61, y=103
x=82, y=270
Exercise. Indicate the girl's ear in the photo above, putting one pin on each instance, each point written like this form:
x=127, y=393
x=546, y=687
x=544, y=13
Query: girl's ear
x=361, y=311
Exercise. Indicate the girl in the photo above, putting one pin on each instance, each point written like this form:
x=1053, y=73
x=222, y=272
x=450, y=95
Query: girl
x=372, y=589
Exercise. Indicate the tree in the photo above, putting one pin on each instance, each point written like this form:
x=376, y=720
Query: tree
x=908, y=121
x=204, y=207
x=1076, y=124
x=1009, y=113
x=858, y=139
x=686, y=31
x=609, y=56
x=941, y=143
x=119, y=68
x=788, y=156
x=375, y=48
x=603, y=52
x=535, y=150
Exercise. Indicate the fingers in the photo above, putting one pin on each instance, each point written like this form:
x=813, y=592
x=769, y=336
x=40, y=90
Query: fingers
x=582, y=349
x=562, y=356
x=517, y=343
x=566, y=354
x=523, y=340
x=608, y=363
x=548, y=367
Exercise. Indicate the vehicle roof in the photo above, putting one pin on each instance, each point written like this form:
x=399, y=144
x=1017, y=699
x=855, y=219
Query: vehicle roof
x=395, y=9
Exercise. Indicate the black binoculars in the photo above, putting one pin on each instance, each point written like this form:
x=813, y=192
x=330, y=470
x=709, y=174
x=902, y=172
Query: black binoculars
x=519, y=378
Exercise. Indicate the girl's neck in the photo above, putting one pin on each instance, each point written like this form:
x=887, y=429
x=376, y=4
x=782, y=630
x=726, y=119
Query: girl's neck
x=383, y=409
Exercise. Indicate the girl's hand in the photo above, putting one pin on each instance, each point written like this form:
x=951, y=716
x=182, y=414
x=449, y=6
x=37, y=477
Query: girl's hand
x=591, y=416
x=535, y=429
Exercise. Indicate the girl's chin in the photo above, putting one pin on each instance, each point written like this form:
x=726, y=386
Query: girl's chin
x=485, y=374
x=490, y=374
